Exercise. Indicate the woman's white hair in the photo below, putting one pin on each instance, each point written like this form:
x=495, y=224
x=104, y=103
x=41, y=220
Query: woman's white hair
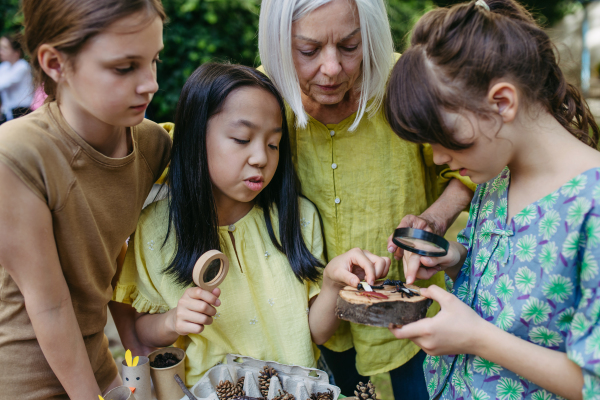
x=275, y=47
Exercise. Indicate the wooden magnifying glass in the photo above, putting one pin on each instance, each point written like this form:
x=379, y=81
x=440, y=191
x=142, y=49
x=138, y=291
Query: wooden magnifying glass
x=210, y=270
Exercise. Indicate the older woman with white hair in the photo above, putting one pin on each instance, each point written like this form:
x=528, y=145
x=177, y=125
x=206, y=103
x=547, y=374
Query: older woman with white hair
x=331, y=60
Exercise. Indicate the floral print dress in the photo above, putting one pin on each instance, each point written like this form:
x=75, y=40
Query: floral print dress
x=536, y=278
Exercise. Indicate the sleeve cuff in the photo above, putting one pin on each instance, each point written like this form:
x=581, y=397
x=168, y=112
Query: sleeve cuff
x=130, y=294
x=448, y=174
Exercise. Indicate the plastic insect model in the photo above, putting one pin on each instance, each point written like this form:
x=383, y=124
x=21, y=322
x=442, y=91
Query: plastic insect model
x=400, y=288
x=364, y=289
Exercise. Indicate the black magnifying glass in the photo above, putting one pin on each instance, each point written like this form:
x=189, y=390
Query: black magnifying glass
x=420, y=242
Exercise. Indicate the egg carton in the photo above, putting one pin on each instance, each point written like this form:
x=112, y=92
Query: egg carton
x=298, y=381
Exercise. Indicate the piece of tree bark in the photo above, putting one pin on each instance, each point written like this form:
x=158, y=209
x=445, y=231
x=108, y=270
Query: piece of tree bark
x=397, y=310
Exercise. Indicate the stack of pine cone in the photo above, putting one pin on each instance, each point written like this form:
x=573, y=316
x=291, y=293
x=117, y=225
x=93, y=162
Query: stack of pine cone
x=228, y=391
x=365, y=392
x=322, y=395
x=284, y=396
x=264, y=379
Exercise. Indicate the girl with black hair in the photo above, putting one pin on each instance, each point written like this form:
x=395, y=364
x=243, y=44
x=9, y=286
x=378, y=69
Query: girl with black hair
x=233, y=188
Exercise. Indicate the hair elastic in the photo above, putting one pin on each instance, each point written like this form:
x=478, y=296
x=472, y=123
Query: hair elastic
x=482, y=4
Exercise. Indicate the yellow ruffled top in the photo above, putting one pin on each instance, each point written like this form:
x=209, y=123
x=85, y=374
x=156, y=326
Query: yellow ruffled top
x=264, y=310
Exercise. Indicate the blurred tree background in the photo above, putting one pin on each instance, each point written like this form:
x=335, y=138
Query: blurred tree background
x=199, y=31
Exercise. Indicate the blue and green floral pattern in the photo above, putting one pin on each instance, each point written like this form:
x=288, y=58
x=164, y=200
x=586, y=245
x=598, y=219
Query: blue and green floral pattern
x=537, y=278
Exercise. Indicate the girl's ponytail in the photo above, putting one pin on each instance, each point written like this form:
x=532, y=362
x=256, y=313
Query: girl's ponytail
x=569, y=107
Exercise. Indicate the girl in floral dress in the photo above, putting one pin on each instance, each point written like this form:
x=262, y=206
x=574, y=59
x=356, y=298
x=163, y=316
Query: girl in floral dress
x=481, y=83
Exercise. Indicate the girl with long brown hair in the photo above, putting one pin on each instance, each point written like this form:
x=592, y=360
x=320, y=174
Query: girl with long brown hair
x=481, y=83
x=74, y=175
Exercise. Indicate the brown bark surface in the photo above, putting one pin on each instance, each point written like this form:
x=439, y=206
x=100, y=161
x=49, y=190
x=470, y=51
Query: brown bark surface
x=397, y=310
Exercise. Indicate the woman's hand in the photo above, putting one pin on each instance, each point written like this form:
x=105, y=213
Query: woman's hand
x=350, y=268
x=456, y=329
x=194, y=310
x=420, y=267
x=421, y=222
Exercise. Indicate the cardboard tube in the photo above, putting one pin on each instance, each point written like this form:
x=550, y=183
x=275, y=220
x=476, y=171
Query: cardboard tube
x=164, y=378
x=119, y=393
x=204, y=264
x=139, y=378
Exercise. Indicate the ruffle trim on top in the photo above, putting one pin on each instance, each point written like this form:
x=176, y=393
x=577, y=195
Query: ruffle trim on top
x=129, y=294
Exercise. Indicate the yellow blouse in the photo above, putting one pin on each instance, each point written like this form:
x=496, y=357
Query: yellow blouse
x=264, y=310
x=363, y=183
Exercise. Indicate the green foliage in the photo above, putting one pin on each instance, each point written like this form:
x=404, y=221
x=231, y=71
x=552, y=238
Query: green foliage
x=200, y=31
x=10, y=18
x=403, y=14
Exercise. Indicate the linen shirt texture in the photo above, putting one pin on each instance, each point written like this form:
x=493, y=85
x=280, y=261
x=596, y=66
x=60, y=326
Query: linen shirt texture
x=536, y=278
x=95, y=202
x=264, y=307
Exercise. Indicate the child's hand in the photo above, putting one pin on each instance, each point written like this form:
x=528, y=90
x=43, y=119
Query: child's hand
x=456, y=329
x=194, y=310
x=353, y=266
x=420, y=267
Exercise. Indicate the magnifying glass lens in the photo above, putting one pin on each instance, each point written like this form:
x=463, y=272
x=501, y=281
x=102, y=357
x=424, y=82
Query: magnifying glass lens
x=420, y=242
x=212, y=271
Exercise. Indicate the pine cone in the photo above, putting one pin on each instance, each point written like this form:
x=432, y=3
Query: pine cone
x=365, y=392
x=322, y=395
x=240, y=384
x=227, y=391
x=284, y=396
x=264, y=379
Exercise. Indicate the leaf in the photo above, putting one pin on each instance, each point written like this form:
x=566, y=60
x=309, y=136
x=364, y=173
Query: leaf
x=135, y=361
x=128, y=358
x=492, y=378
x=563, y=259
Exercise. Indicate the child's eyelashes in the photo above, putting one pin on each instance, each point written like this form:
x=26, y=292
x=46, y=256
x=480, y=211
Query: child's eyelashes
x=123, y=71
x=246, y=141
x=133, y=66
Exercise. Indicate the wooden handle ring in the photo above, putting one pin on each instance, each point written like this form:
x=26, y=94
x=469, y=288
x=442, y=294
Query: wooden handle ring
x=202, y=265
